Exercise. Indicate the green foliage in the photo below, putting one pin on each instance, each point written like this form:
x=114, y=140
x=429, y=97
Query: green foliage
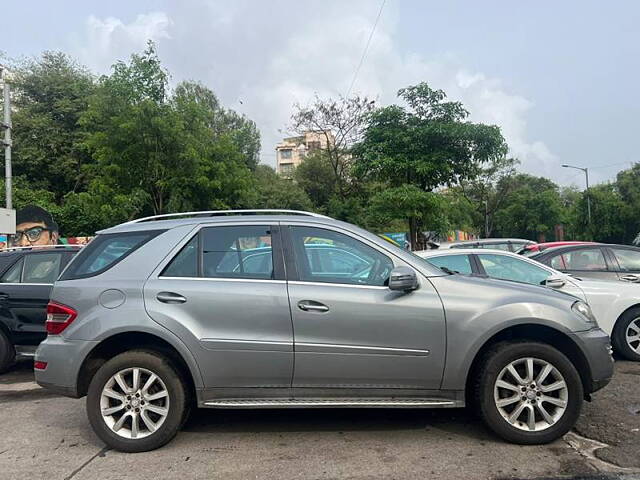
x=315, y=176
x=274, y=191
x=50, y=95
x=425, y=145
x=533, y=207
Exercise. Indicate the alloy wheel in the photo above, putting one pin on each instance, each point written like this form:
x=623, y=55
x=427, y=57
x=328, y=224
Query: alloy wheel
x=531, y=394
x=134, y=403
x=632, y=335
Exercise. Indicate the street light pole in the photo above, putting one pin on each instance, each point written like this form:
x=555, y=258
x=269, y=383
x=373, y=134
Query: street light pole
x=6, y=125
x=586, y=174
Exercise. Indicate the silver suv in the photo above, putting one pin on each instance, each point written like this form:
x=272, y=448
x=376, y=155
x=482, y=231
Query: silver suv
x=269, y=309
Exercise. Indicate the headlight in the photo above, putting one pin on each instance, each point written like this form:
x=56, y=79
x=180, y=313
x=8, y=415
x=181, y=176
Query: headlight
x=584, y=311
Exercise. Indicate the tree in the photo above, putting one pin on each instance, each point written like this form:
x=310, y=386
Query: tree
x=428, y=144
x=531, y=210
x=341, y=122
x=276, y=192
x=487, y=189
x=50, y=94
x=163, y=147
x=315, y=176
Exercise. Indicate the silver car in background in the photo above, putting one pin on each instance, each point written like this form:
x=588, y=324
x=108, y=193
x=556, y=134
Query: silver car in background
x=213, y=309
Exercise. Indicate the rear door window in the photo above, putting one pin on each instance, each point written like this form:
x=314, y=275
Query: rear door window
x=41, y=268
x=237, y=252
x=628, y=260
x=105, y=251
x=455, y=263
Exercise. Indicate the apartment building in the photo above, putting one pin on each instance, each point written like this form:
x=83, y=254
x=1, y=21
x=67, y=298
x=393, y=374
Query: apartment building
x=292, y=150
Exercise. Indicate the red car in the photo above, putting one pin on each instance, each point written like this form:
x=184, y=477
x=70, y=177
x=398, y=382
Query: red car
x=538, y=247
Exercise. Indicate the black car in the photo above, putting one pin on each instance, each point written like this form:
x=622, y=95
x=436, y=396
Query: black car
x=600, y=261
x=26, y=277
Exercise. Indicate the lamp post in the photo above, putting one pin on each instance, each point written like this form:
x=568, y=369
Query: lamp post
x=586, y=174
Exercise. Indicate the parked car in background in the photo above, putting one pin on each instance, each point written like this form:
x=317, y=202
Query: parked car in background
x=26, y=277
x=534, y=248
x=616, y=306
x=506, y=244
x=601, y=261
x=161, y=313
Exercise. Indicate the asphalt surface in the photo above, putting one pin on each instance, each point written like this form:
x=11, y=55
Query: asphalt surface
x=45, y=436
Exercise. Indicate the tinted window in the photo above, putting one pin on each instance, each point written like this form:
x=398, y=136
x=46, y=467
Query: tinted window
x=237, y=252
x=185, y=263
x=510, y=268
x=104, y=251
x=14, y=274
x=499, y=246
x=456, y=263
x=41, y=268
x=628, y=260
x=584, y=259
x=331, y=257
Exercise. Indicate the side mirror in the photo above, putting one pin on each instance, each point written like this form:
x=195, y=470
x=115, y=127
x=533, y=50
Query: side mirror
x=403, y=279
x=554, y=282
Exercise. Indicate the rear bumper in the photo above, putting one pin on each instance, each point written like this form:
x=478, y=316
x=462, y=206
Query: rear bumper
x=596, y=347
x=64, y=359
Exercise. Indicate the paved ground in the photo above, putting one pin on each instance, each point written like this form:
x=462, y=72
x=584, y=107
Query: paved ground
x=43, y=436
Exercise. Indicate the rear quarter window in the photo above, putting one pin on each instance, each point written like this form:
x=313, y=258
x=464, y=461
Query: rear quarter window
x=105, y=251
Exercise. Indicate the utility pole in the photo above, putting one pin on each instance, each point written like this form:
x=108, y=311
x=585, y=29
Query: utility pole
x=486, y=219
x=6, y=125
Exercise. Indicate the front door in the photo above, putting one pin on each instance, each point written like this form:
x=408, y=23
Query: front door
x=225, y=295
x=627, y=263
x=351, y=331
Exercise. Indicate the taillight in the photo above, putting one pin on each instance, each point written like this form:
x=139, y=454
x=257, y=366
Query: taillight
x=40, y=365
x=59, y=317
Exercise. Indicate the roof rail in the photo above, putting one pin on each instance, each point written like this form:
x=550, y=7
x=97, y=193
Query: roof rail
x=41, y=247
x=213, y=213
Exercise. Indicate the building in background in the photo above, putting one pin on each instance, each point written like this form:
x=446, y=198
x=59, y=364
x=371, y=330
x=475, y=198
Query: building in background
x=292, y=150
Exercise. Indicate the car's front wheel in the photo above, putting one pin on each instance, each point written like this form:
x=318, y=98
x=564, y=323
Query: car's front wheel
x=528, y=392
x=7, y=352
x=626, y=335
x=136, y=401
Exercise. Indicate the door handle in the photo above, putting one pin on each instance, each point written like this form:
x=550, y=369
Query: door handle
x=311, y=306
x=170, y=297
x=630, y=278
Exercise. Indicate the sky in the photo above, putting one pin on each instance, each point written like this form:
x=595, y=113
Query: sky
x=559, y=78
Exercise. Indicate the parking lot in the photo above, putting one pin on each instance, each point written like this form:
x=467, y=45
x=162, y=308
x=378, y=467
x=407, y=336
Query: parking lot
x=45, y=436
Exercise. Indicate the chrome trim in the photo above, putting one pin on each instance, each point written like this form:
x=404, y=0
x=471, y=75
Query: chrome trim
x=19, y=283
x=223, y=279
x=226, y=344
x=357, y=348
x=321, y=284
x=269, y=403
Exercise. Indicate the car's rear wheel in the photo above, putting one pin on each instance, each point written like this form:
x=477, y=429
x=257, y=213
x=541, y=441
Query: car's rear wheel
x=626, y=335
x=136, y=401
x=528, y=392
x=7, y=352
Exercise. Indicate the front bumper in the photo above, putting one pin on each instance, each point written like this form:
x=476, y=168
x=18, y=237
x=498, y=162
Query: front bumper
x=64, y=359
x=596, y=347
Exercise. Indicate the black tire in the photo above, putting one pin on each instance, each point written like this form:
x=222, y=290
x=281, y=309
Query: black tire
x=497, y=359
x=177, y=397
x=619, y=337
x=7, y=352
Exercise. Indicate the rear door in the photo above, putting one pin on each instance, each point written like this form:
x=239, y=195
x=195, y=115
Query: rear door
x=225, y=289
x=351, y=331
x=24, y=293
x=626, y=262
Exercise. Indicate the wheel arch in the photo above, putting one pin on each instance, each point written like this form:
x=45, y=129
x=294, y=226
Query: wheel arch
x=537, y=333
x=622, y=314
x=135, y=340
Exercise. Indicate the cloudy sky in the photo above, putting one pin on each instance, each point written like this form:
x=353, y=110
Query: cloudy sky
x=559, y=78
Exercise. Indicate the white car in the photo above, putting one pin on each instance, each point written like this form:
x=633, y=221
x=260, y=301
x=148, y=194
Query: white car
x=616, y=305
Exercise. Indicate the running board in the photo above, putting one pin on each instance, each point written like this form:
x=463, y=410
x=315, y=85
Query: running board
x=331, y=402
